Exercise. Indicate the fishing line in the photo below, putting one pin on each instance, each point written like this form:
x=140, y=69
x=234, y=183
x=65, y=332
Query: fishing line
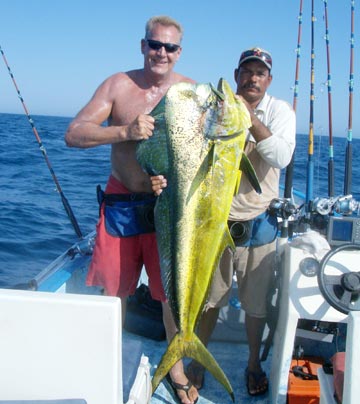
x=348, y=158
x=43, y=150
x=331, y=172
x=310, y=164
x=290, y=168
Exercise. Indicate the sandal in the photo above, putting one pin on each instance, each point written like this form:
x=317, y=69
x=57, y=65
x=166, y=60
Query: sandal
x=177, y=386
x=195, y=373
x=256, y=383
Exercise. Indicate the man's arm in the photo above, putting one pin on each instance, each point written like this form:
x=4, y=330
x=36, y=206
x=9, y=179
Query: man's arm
x=278, y=149
x=258, y=130
x=276, y=139
x=86, y=129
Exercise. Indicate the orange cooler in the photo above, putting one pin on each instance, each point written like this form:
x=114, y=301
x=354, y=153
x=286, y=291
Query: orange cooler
x=304, y=390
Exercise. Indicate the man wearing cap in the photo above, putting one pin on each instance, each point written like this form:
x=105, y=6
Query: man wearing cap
x=270, y=145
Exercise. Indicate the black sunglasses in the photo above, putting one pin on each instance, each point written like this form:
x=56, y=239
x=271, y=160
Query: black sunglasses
x=156, y=45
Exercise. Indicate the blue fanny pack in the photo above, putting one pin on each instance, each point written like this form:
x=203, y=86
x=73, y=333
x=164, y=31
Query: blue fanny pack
x=127, y=215
x=256, y=232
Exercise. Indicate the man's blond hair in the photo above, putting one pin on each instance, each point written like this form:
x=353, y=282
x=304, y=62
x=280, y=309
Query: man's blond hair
x=162, y=20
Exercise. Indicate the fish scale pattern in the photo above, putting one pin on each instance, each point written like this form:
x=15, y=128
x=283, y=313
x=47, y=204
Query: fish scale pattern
x=200, y=131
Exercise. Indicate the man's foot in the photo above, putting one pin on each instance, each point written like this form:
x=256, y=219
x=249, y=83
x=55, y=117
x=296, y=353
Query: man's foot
x=185, y=393
x=256, y=382
x=195, y=373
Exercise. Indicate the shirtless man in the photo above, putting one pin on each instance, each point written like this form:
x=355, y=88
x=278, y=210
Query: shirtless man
x=124, y=100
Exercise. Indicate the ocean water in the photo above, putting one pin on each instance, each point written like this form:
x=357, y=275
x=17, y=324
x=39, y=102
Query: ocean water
x=34, y=227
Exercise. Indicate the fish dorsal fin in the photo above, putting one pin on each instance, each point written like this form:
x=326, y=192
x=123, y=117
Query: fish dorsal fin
x=217, y=92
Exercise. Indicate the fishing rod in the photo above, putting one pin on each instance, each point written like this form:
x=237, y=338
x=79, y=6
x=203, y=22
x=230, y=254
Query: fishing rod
x=331, y=172
x=310, y=165
x=284, y=209
x=348, y=158
x=289, y=173
x=43, y=150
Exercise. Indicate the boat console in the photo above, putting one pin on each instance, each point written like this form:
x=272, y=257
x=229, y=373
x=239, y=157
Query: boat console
x=320, y=281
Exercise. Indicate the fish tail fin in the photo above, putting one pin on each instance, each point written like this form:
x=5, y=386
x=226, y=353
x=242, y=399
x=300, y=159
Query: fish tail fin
x=173, y=353
x=191, y=347
x=198, y=351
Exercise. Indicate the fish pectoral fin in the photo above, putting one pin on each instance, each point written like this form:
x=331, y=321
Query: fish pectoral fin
x=229, y=241
x=201, y=173
x=247, y=168
x=238, y=180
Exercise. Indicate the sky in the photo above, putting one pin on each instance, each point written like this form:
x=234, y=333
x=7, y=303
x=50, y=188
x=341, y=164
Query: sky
x=60, y=51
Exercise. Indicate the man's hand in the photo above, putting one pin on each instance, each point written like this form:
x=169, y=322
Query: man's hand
x=141, y=128
x=158, y=182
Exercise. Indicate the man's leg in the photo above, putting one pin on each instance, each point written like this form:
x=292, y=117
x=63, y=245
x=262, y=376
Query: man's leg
x=207, y=324
x=123, y=309
x=195, y=371
x=253, y=290
x=257, y=382
x=254, y=330
x=123, y=306
x=177, y=371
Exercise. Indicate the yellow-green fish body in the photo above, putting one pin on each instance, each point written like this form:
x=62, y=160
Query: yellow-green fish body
x=197, y=145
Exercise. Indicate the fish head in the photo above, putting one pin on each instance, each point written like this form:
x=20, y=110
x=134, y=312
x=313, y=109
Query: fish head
x=231, y=114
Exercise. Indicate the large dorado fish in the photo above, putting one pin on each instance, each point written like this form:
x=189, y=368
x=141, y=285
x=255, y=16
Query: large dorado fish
x=197, y=145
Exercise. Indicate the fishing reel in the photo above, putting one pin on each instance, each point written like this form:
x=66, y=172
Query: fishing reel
x=343, y=205
x=337, y=218
x=282, y=207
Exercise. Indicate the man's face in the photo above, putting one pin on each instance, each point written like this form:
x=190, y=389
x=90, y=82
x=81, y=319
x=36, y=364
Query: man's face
x=162, y=60
x=252, y=78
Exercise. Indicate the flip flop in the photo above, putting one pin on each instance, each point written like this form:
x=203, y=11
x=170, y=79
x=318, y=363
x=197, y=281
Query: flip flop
x=195, y=373
x=177, y=386
x=260, y=382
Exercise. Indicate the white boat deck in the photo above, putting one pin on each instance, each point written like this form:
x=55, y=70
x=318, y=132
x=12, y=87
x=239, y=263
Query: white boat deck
x=50, y=330
x=59, y=346
x=231, y=356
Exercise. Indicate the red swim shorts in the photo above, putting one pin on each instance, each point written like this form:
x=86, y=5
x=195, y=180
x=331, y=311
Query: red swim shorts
x=117, y=261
